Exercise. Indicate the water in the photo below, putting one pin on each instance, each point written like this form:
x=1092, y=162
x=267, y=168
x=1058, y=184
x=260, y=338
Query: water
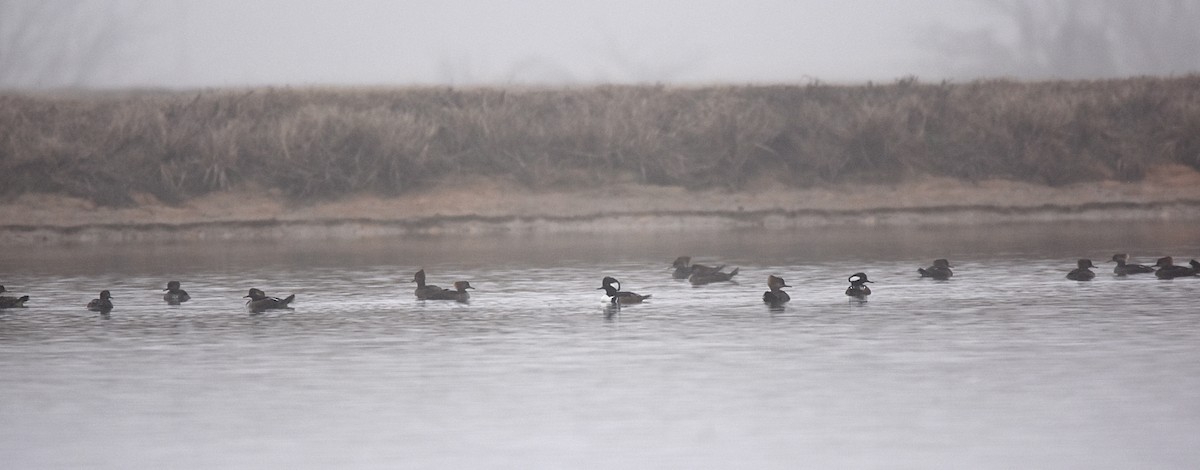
x=1009, y=365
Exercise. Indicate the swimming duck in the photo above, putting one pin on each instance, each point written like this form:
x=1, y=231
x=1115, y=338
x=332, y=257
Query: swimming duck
x=700, y=278
x=1083, y=272
x=174, y=295
x=424, y=291
x=103, y=304
x=1123, y=268
x=619, y=297
x=459, y=293
x=1168, y=270
x=940, y=270
x=776, y=295
x=12, y=302
x=684, y=268
x=259, y=301
x=857, y=288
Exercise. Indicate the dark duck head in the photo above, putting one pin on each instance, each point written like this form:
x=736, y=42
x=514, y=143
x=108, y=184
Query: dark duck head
x=1083, y=271
x=776, y=295
x=940, y=270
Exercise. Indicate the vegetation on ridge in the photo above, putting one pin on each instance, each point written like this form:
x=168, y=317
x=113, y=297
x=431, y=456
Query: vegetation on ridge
x=312, y=144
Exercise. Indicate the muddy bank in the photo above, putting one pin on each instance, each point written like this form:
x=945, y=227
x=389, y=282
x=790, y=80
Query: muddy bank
x=484, y=206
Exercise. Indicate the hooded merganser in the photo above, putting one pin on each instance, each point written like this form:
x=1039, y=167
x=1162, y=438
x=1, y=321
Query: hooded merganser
x=1168, y=270
x=1083, y=272
x=459, y=293
x=174, y=295
x=685, y=269
x=940, y=270
x=857, y=288
x=424, y=291
x=12, y=302
x=619, y=297
x=259, y=301
x=103, y=304
x=700, y=278
x=1124, y=268
x=776, y=295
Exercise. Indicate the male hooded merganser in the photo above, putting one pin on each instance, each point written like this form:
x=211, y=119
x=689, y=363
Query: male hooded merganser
x=174, y=295
x=776, y=295
x=103, y=304
x=1083, y=272
x=459, y=293
x=1168, y=270
x=424, y=291
x=940, y=270
x=700, y=278
x=12, y=302
x=1124, y=268
x=259, y=301
x=857, y=288
x=619, y=297
x=685, y=269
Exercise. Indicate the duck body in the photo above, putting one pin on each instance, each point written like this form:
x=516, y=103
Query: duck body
x=1083, y=271
x=1167, y=269
x=103, y=304
x=701, y=278
x=1124, y=268
x=425, y=291
x=940, y=270
x=858, y=288
x=260, y=302
x=459, y=293
x=619, y=297
x=684, y=268
x=174, y=295
x=12, y=302
x=776, y=295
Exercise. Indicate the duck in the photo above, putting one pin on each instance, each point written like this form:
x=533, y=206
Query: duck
x=459, y=293
x=940, y=270
x=1123, y=267
x=776, y=295
x=1168, y=270
x=700, y=278
x=259, y=302
x=618, y=296
x=424, y=291
x=857, y=288
x=12, y=302
x=684, y=268
x=1083, y=272
x=174, y=295
x=103, y=304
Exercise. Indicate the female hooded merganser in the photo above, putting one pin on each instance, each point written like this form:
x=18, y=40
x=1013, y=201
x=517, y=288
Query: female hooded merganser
x=424, y=291
x=776, y=295
x=12, y=302
x=701, y=278
x=1124, y=268
x=940, y=270
x=103, y=304
x=685, y=269
x=259, y=301
x=1083, y=272
x=459, y=293
x=857, y=288
x=174, y=295
x=619, y=297
x=1168, y=270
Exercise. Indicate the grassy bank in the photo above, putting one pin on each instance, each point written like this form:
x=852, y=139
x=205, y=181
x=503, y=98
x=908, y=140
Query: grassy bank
x=322, y=144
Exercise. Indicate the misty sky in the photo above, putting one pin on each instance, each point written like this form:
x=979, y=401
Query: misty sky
x=280, y=42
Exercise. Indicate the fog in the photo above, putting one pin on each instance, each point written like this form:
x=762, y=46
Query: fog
x=183, y=44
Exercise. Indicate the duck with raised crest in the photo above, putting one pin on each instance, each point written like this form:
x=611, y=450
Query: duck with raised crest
x=776, y=295
x=1124, y=268
x=858, y=288
x=617, y=296
x=1167, y=269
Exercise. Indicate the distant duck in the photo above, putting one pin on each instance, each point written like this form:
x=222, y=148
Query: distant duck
x=1168, y=270
x=940, y=270
x=1083, y=272
x=12, y=302
x=700, y=278
x=174, y=295
x=459, y=293
x=259, y=302
x=685, y=269
x=858, y=288
x=1123, y=267
x=103, y=304
x=619, y=297
x=424, y=291
x=776, y=295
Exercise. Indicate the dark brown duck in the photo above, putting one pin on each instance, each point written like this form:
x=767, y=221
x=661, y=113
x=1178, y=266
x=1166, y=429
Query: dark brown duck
x=776, y=295
x=12, y=302
x=1083, y=271
x=940, y=270
x=260, y=302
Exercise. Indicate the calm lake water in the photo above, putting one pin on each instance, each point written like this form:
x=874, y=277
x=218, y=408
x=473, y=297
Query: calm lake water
x=1008, y=365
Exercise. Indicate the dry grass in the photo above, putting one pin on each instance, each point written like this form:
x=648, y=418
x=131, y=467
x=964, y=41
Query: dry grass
x=321, y=144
